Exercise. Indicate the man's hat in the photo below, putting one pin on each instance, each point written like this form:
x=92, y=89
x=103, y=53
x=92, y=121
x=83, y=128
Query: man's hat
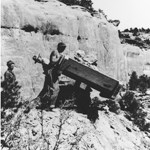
x=61, y=47
x=9, y=63
x=61, y=44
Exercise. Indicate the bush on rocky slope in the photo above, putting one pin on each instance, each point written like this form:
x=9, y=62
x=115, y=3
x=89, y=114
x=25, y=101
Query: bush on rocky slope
x=137, y=37
x=141, y=83
x=10, y=95
x=135, y=111
x=133, y=81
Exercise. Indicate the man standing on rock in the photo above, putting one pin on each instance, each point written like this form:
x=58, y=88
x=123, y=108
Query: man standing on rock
x=10, y=89
x=50, y=91
x=9, y=76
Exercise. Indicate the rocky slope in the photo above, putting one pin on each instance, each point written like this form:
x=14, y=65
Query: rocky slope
x=30, y=27
x=62, y=129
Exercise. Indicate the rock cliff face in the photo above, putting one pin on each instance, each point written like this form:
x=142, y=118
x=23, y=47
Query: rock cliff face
x=30, y=27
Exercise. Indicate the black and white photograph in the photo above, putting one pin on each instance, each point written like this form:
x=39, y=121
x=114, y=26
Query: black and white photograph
x=75, y=74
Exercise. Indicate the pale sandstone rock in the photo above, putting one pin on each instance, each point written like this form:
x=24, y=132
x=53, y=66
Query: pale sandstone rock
x=72, y=130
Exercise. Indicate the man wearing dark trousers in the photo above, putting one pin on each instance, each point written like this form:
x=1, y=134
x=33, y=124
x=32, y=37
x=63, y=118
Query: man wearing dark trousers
x=50, y=90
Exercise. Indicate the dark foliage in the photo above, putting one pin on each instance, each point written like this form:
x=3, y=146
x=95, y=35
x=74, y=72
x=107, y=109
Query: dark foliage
x=123, y=36
x=147, y=41
x=51, y=29
x=142, y=83
x=114, y=106
x=135, y=37
x=29, y=28
x=84, y=3
x=10, y=95
x=139, y=119
x=134, y=110
x=126, y=30
x=129, y=103
x=148, y=82
x=135, y=30
x=133, y=82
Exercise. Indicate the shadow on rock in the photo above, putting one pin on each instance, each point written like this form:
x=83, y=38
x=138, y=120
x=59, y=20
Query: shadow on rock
x=93, y=114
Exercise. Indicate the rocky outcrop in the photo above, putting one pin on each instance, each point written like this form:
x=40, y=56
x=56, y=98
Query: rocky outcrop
x=115, y=22
x=30, y=27
x=136, y=59
x=136, y=48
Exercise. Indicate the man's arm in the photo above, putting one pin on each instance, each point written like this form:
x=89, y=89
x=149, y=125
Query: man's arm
x=8, y=77
x=43, y=62
x=39, y=59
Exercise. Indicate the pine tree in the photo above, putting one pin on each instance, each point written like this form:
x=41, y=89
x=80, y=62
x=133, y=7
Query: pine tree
x=133, y=82
x=143, y=83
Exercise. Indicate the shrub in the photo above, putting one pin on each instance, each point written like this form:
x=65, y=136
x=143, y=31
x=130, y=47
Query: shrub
x=133, y=82
x=126, y=30
x=143, y=87
x=148, y=30
x=114, y=106
x=10, y=95
x=149, y=82
x=129, y=102
x=84, y=3
x=138, y=39
x=135, y=31
x=147, y=41
x=143, y=83
x=139, y=119
x=133, y=106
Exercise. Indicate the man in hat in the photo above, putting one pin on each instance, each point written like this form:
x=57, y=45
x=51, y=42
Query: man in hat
x=9, y=76
x=10, y=89
x=55, y=58
x=51, y=84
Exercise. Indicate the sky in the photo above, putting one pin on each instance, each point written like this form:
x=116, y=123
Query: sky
x=131, y=13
